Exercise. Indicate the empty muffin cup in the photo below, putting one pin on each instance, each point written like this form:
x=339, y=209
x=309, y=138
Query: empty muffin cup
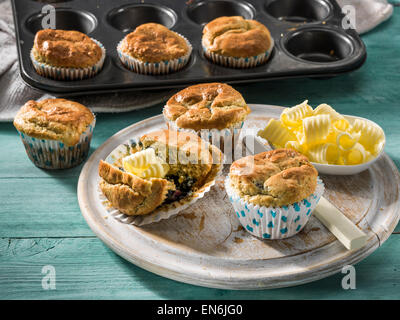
x=205, y=11
x=299, y=10
x=65, y=19
x=129, y=17
x=321, y=45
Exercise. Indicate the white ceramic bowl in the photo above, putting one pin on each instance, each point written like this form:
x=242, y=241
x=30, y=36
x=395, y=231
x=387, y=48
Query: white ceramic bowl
x=335, y=169
x=349, y=169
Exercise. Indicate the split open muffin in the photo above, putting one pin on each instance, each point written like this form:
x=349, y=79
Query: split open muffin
x=160, y=172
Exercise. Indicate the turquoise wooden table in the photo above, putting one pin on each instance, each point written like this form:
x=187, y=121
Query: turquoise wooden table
x=41, y=224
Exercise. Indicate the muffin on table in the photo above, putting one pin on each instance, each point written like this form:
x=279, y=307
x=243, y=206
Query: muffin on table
x=154, y=49
x=214, y=111
x=56, y=133
x=159, y=174
x=237, y=42
x=274, y=193
x=66, y=55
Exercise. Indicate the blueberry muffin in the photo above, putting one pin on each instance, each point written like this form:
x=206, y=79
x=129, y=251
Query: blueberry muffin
x=274, y=192
x=66, y=55
x=214, y=111
x=56, y=132
x=160, y=174
x=237, y=42
x=154, y=49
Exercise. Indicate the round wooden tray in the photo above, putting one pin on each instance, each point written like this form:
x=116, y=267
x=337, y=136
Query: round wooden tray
x=205, y=245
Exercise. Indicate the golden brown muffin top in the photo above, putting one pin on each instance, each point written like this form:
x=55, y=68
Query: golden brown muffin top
x=152, y=42
x=61, y=48
x=54, y=119
x=274, y=178
x=206, y=106
x=130, y=194
x=236, y=37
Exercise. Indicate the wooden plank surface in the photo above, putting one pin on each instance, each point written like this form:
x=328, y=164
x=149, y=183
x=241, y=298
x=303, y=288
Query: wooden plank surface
x=85, y=268
x=35, y=231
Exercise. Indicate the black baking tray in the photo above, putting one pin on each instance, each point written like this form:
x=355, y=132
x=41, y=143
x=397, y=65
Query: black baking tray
x=308, y=34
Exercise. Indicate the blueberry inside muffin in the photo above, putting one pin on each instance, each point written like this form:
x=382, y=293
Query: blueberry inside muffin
x=190, y=164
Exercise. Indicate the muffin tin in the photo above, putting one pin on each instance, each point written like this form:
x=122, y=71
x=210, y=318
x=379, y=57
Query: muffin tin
x=308, y=34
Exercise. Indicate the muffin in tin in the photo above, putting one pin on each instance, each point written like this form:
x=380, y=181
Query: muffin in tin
x=274, y=193
x=160, y=174
x=66, y=55
x=56, y=133
x=237, y=42
x=154, y=49
x=214, y=111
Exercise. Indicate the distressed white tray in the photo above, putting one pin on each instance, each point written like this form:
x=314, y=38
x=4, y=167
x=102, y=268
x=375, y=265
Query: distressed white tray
x=205, y=246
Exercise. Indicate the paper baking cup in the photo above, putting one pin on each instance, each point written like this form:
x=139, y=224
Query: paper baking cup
x=64, y=73
x=162, y=67
x=165, y=211
x=233, y=62
x=52, y=154
x=225, y=139
x=274, y=222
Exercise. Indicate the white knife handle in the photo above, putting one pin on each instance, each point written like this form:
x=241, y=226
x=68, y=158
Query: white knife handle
x=337, y=223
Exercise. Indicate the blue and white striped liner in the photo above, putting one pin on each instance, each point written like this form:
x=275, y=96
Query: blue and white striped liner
x=233, y=62
x=274, y=222
x=65, y=73
x=53, y=154
x=155, y=68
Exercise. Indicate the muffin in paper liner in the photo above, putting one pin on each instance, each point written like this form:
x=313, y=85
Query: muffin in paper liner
x=274, y=222
x=165, y=211
x=53, y=154
x=65, y=73
x=154, y=68
x=225, y=139
x=234, y=62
